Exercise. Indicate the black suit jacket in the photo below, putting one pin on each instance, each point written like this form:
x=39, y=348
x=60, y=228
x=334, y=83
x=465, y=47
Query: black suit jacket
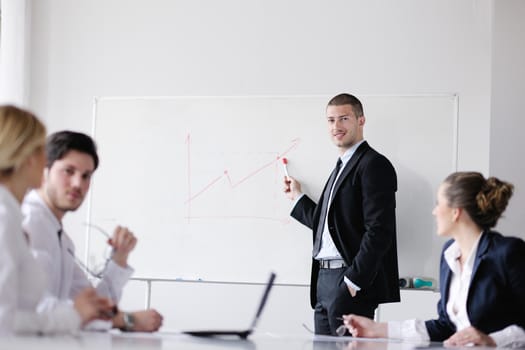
x=362, y=223
x=496, y=296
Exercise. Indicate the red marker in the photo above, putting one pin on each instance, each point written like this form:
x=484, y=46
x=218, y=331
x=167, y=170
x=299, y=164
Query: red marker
x=285, y=163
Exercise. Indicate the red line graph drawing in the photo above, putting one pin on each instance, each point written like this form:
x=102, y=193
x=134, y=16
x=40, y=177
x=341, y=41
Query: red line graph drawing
x=231, y=182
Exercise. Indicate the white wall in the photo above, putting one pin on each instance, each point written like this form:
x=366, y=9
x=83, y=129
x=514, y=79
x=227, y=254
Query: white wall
x=86, y=48
x=14, y=55
x=92, y=48
x=508, y=108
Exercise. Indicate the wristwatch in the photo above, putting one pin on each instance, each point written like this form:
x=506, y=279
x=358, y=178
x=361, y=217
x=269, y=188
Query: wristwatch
x=129, y=321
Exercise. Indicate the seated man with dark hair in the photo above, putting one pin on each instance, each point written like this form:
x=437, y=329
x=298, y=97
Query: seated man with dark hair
x=71, y=161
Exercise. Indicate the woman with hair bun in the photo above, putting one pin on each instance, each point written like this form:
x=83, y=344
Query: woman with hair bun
x=482, y=273
x=22, y=282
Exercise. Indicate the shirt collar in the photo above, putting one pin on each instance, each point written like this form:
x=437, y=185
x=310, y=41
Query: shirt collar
x=452, y=253
x=34, y=200
x=349, y=153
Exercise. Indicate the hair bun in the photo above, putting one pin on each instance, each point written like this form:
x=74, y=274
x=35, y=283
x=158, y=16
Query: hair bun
x=494, y=196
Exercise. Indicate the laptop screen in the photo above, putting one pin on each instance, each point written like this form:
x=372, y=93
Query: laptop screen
x=244, y=333
x=263, y=300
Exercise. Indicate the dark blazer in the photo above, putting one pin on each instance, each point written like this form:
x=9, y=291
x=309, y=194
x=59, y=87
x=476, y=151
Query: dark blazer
x=496, y=296
x=362, y=223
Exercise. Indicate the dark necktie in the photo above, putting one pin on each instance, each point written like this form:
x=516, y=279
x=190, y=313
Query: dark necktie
x=324, y=208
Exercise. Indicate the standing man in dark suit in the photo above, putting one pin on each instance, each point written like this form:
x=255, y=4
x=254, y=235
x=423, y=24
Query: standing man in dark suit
x=354, y=258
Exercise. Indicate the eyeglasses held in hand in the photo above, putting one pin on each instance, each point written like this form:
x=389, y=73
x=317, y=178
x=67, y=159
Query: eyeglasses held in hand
x=340, y=331
x=100, y=273
x=98, y=229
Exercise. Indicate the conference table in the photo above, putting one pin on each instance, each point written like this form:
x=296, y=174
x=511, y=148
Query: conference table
x=173, y=340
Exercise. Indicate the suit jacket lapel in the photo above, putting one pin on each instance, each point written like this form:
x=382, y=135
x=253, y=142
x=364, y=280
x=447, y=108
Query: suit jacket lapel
x=483, y=246
x=444, y=284
x=359, y=152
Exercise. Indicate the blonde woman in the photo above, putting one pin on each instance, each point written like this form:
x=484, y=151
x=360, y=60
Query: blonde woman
x=482, y=273
x=22, y=283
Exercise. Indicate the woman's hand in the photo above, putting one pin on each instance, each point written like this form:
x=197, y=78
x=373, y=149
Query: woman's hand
x=468, y=337
x=364, y=327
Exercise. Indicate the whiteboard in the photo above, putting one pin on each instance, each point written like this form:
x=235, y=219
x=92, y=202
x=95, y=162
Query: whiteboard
x=199, y=180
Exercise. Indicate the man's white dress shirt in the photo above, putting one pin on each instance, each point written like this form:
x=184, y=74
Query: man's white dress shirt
x=55, y=256
x=328, y=249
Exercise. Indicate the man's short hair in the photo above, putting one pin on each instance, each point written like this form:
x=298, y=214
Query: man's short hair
x=59, y=143
x=347, y=99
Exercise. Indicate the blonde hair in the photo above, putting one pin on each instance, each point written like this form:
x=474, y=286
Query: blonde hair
x=21, y=134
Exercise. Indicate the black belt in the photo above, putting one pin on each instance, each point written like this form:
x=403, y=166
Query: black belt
x=332, y=264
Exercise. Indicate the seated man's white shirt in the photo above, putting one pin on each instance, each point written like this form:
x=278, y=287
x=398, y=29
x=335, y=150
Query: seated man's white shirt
x=55, y=256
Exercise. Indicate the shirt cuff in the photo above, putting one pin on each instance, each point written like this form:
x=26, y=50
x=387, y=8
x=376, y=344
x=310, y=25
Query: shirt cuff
x=70, y=316
x=409, y=329
x=98, y=325
x=60, y=317
x=297, y=199
x=511, y=336
x=351, y=284
x=394, y=329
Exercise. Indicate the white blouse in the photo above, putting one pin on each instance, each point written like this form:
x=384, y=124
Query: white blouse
x=22, y=283
x=511, y=336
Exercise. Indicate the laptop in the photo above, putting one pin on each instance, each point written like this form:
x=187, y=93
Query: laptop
x=243, y=334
